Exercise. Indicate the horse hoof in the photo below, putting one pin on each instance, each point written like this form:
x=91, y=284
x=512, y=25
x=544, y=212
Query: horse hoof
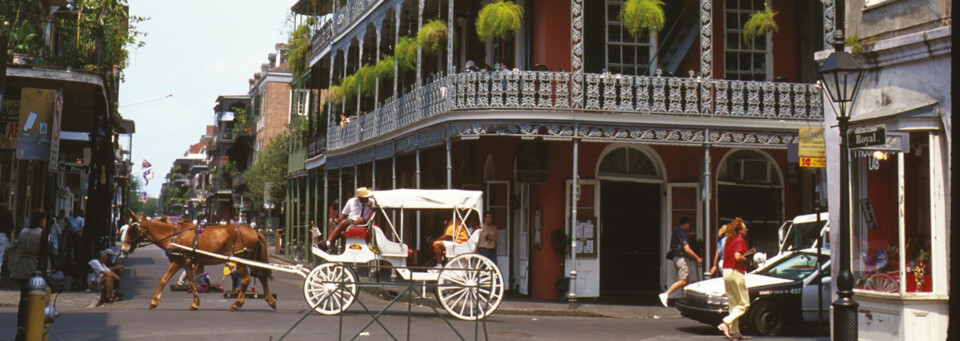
x=273, y=305
x=234, y=307
x=153, y=305
x=194, y=307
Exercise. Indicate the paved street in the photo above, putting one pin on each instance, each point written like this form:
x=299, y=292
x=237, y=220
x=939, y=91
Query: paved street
x=131, y=320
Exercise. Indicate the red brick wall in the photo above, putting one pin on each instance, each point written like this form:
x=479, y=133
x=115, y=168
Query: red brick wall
x=275, y=110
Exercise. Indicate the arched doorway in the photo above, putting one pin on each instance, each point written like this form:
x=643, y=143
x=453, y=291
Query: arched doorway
x=631, y=187
x=750, y=186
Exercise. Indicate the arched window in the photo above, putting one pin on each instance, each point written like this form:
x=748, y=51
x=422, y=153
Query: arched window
x=749, y=167
x=628, y=162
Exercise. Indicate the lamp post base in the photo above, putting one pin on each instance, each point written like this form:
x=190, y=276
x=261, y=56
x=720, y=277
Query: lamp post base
x=845, y=311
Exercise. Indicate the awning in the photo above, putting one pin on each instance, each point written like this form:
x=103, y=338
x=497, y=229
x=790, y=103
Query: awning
x=429, y=199
x=897, y=108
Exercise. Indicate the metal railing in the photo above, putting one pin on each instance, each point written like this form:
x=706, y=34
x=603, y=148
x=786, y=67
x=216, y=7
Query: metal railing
x=347, y=15
x=321, y=38
x=603, y=93
x=316, y=146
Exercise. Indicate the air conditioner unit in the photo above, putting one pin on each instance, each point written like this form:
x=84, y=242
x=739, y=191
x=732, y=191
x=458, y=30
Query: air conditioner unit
x=752, y=170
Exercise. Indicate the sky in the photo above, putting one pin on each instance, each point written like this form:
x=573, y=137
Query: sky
x=195, y=50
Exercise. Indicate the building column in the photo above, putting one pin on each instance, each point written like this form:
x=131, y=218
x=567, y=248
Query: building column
x=418, y=180
x=396, y=40
x=576, y=53
x=373, y=174
x=376, y=98
x=346, y=58
x=450, y=32
x=361, y=37
x=575, y=194
x=326, y=203
x=449, y=166
x=420, y=50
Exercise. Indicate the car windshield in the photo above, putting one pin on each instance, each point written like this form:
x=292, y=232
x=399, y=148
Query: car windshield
x=802, y=235
x=793, y=267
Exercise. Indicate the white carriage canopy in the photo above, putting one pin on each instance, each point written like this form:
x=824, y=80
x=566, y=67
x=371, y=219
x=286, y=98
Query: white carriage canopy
x=429, y=199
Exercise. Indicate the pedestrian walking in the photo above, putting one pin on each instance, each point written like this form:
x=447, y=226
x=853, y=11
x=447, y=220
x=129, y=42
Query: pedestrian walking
x=6, y=227
x=28, y=262
x=735, y=263
x=718, y=255
x=679, y=252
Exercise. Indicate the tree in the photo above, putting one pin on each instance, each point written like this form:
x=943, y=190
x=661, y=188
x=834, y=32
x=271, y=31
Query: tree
x=270, y=167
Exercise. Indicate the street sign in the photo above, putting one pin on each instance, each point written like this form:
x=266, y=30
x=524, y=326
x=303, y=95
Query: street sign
x=811, y=143
x=54, y=162
x=817, y=162
x=869, y=136
x=73, y=168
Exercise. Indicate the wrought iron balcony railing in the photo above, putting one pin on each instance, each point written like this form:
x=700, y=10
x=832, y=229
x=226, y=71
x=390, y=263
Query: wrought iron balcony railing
x=321, y=38
x=316, y=146
x=603, y=93
x=348, y=15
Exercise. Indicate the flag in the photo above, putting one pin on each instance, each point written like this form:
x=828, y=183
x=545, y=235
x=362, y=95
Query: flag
x=145, y=164
x=147, y=175
x=143, y=197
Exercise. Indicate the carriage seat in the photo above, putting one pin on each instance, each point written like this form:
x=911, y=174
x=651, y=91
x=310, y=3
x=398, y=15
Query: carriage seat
x=469, y=246
x=386, y=246
x=355, y=231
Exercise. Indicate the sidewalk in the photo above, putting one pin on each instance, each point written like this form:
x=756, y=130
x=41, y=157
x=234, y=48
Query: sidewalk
x=68, y=300
x=526, y=306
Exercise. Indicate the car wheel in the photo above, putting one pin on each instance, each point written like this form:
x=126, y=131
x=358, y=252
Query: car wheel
x=767, y=318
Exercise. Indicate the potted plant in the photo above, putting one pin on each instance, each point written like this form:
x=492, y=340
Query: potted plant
x=334, y=95
x=406, y=53
x=499, y=20
x=641, y=15
x=760, y=23
x=432, y=35
x=384, y=68
x=561, y=241
x=22, y=42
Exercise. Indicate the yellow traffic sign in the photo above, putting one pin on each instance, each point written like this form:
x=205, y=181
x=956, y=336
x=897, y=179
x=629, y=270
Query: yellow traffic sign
x=817, y=162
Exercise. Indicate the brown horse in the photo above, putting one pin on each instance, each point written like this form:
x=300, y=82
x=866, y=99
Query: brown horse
x=220, y=239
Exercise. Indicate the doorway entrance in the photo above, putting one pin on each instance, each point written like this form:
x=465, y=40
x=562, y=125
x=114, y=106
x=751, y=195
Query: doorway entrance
x=630, y=234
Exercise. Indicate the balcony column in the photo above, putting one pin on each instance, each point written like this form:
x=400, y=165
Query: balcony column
x=419, y=56
x=576, y=53
x=361, y=38
x=330, y=115
x=346, y=57
x=288, y=217
x=326, y=203
x=418, y=179
x=706, y=39
x=356, y=171
x=575, y=193
x=450, y=39
x=376, y=96
x=307, y=214
x=396, y=65
x=373, y=174
x=340, y=186
x=449, y=167
x=394, y=171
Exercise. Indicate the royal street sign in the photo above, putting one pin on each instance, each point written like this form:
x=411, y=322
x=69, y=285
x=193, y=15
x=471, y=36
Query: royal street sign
x=869, y=136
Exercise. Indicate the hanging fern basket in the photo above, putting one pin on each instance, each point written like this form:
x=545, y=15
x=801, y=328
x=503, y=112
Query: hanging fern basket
x=334, y=95
x=641, y=15
x=406, y=53
x=760, y=23
x=432, y=36
x=499, y=20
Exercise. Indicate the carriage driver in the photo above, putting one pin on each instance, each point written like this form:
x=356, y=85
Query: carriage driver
x=357, y=211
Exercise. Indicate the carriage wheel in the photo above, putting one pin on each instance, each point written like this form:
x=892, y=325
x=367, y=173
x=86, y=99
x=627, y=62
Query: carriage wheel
x=470, y=287
x=323, y=291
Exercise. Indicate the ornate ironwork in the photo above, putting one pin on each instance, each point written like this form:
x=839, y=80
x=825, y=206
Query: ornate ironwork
x=576, y=52
x=706, y=39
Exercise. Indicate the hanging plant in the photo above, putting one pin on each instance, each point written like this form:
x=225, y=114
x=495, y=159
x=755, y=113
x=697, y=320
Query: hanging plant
x=406, y=53
x=432, y=35
x=641, y=15
x=349, y=86
x=299, y=53
x=367, y=79
x=499, y=20
x=760, y=23
x=384, y=68
x=334, y=95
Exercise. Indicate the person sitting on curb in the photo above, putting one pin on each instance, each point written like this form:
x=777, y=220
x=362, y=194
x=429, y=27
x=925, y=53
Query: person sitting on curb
x=105, y=276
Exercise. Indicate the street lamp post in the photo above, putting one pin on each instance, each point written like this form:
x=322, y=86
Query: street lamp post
x=841, y=75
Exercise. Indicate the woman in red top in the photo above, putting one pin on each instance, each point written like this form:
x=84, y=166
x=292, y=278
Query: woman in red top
x=734, y=266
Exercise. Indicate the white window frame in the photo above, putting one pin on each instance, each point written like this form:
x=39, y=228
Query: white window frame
x=652, y=42
x=768, y=72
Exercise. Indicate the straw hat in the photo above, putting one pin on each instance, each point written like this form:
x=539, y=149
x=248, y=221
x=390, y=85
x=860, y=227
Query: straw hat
x=363, y=192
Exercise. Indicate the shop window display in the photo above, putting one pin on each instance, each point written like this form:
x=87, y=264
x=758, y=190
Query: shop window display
x=892, y=251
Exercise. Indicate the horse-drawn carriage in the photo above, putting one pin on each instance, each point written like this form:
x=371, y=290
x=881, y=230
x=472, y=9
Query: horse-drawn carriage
x=469, y=286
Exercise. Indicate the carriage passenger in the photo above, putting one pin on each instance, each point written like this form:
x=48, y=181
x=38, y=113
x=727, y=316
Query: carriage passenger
x=357, y=211
x=451, y=228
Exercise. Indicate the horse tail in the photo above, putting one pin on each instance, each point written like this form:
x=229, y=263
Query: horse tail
x=260, y=252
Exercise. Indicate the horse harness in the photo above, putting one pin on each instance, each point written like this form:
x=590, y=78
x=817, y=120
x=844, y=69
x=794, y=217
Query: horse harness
x=175, y=251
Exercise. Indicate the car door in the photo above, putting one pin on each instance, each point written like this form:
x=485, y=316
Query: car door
x=810, y=293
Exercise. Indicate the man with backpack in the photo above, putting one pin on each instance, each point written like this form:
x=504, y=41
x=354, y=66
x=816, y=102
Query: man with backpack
x=679, y=252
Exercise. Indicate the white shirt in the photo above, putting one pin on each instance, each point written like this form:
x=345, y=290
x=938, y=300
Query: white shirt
x=98, y=269
x=355, y=209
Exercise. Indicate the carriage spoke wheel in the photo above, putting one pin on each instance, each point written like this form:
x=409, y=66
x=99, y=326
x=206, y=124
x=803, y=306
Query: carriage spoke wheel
x=323, y=290
x=470, y=287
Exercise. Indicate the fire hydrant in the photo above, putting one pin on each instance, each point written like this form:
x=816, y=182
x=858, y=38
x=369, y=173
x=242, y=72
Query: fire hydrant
x=39, y=313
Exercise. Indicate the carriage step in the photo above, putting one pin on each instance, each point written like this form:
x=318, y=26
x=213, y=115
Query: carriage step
x=178, y=287
x=233, y=294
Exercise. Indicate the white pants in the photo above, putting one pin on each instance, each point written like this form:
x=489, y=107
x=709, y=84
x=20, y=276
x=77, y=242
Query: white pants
x=738, y=299
x=3, y=246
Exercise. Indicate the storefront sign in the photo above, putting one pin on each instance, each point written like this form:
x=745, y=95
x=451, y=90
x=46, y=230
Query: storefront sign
x=8, y=135
x=868, y=215
x=816, y=162
x=73, y=168
x=36, y=109
x=870, y=136
x=811, y=143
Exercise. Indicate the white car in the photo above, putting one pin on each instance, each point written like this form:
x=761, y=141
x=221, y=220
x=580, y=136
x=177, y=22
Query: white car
x=783, y=293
